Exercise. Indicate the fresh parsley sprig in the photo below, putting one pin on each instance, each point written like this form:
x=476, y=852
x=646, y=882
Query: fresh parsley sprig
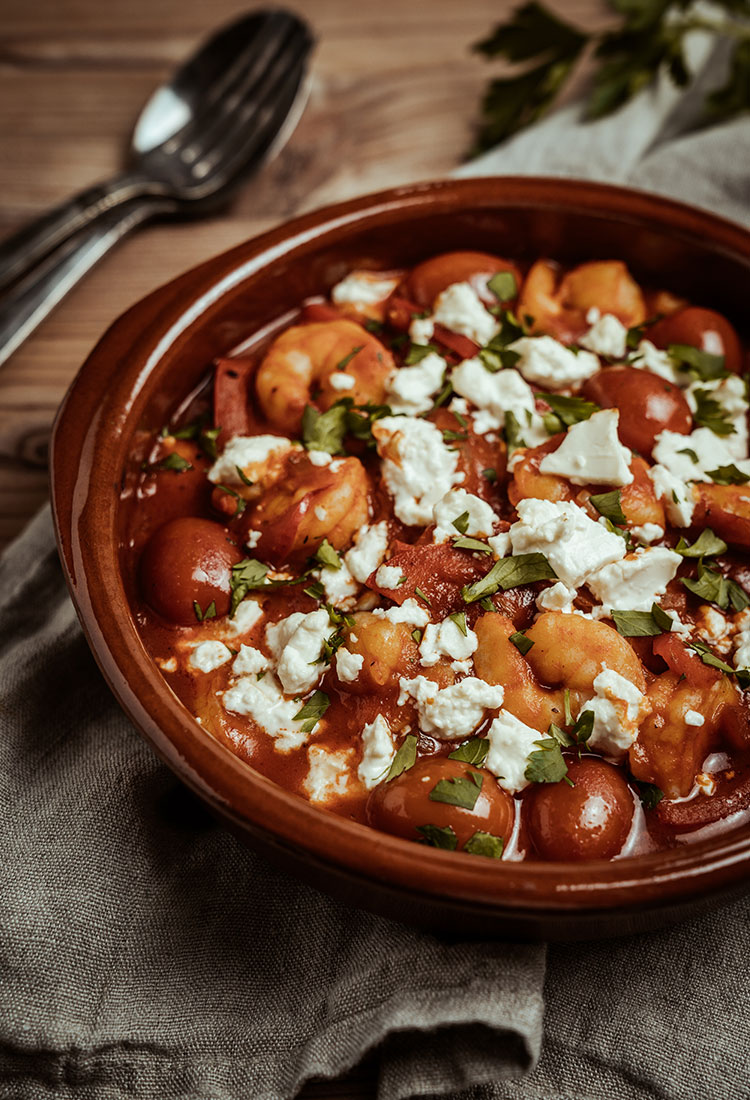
x=649, y=41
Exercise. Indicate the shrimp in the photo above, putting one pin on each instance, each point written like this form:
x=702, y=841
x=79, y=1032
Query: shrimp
x=497, y=661
x=559, y=306
x=388, y=650
x=569, y=651
x=319, y=363
x=309, y=503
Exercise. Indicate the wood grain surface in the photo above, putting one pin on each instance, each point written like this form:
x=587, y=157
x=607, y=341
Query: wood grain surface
x=395, y=90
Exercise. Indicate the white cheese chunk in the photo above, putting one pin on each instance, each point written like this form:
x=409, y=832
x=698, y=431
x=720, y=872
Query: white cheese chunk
x=647, y=533
x=460, y=309
x=339, y=586
x=328, y=773
x=248, y=613
x=480, y=522
x=634, y=583
x=368, y=551
x=618, y=708
x=377, y=752
x=348, y=665
x=500, y=544
x=446, y=639
x=558, y=597
x=678, y=498
x=548, y=363
x=363, y=288
x=649, y=357
x=454, y=712
x=693, y=718
x=341, y=381
x=421, y=330
x=263, y=701
x=591, y=453
x=409, y=612
x=511, y=744
x=249, y=661
x=251, y=454
x=495, y=394
x=607, y=335
x=410, y=390
x=573, y=544
x=389, y=576
x=418, y=468
x=711, y=451
x=296, y=642
x=208, y=656
x=730, y=394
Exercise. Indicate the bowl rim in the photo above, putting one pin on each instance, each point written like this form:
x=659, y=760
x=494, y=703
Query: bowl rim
x=94, y=422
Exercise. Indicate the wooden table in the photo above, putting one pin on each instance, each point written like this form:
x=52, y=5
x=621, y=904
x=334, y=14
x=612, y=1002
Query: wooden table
x=395, y=91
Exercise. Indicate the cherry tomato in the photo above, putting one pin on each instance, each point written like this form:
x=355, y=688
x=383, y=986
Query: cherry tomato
x=701, y=328
x=428, y=279
x=648, y=405
x=401, y=805
x=188, y=560
x=590, y=820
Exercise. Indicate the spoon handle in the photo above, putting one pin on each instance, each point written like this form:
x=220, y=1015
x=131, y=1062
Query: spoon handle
x=23, y=250
x=34, y=297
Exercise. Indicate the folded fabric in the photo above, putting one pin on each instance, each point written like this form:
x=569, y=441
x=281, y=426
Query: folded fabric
x=144, y=953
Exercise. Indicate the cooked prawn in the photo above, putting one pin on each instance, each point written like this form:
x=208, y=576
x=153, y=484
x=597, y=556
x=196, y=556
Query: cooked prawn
x=569, y=651
x=559, y=306
x=497, y=661
x=319, y=363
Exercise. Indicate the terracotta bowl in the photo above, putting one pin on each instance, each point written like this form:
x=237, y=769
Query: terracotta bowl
x=160, y=349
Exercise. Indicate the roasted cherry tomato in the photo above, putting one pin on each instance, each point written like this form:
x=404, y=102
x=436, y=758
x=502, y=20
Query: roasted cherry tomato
x=188, y=561
x=701, y=328
x=648, y=405
x=403, y=804
x=428, y=279
x=590, y=820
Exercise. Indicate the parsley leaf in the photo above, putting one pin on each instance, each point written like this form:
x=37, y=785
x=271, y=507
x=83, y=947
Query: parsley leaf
x=348, y=358
x=521, y=642
x=209, y=613
x=702, y=365
x=327, y=556
x=709, y=657
x=570, y=410
x=312, y=711
x=459, y=618
x=246, y=575
x=467, y=543
x=461, y=523
x=690, y=453
x=642, y=624
x=462, y=791
x=420, y=595
x=490, y=474
x=503, y=285
x=728, y=475
x=716, y=588
x=706, y=545
x=324, y=431
x=609, y=505
x=649, y=794
x=583, y=727
x=473, y=751
x=510, y=573
x=437, y=837
x=417, y=352
x=173, y=461
x=484, y=844
x=709, y=413
x=207, y=442
x=547, y=764
x=404, y=758
x=243, y=476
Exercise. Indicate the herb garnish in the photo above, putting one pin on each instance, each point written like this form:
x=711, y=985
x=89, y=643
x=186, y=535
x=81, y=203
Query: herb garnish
x=348, y=358
x=438, y=837
x=716, y=588
x=312, y=711
x=420, y=594
x=728, y=475
x=521, y=642
x=240, y=504
x=484, y=844
x=418, y=352
x=459, y=618
x=642, y=624
x=702, y=365
x=510, y=573
x=503, y=285
x=327, y=556
x=467, y=543
x=462, y=791
x=568, y=410
x=473, y=751
x=709, y=413
x=404, y=758
x=649, y=794
x=173, y=461
x=546, y=765
x=461, y=523
x=609, y=505
x=209, y=613
x=706, y=545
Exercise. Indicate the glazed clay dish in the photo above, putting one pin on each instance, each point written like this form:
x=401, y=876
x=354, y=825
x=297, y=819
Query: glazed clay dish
x=413, y=536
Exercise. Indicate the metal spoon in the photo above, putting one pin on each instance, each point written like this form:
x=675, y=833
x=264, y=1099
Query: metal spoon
x=227, y=108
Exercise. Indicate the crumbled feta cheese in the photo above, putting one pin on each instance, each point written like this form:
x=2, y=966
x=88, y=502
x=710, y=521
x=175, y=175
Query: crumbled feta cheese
x=742, y=649
x=679, y=501
x=500, y=544
x=558, y=597
x=573, y=544
x=649, y=357
x=495, y=394
x=421, y=330
x=479, y=524
x=693, y=718
x=363, y=288
x=591, y=453
x=263, y=701
x=546, y=362
x=511, y=744
x=671, y=450
x=460, y=309
x=730, y=394
x=320, y=513
x=368, y=551
x=409, y=612
x=389, y=576
x=340, y=380
x=712, y=627
x=319, y=458
x=167, y=664
x=618, y=709
x=607, y=335
x=339, y=586
x=678, y=626
x=296, y=642
x=348, y=665
x=446, y=639
x=377, y=752
x=249, y=661
x=453, y=712
x=647, y=533
x=208, y=656
x=410, y=389
x=634, y=583
x=328, y=773
x=248, y=613
x=252, y=540
x=250, y=453
x=418, y=469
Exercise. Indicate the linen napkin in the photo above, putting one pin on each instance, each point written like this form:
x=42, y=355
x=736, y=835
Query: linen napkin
x=144, y=953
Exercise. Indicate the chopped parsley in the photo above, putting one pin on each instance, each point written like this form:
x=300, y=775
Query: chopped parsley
x=490, y=474
x=642, y=624
x=418, y=352
x=246, y=575
x=706, y=545
x=327, y=556
x=649, y=794
x=702, y=365
x=463, y=791
x=484, y=844
x=503, y=285
x=546, y=765
x=312, y=711
x=569, y=410
x=461, y=523
x=510, y=573
x=709, y=413
x=459, y=618
x=438, y=837
x=173, y=461
x=728, y=475
x=209, y=613
x=473, y=751
x=348, y=358
x=521, y=642
x=240, y=504
x=420, y=594
x=609, y=505
x=404, y=758
x=716, y=588
x=466, y=543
